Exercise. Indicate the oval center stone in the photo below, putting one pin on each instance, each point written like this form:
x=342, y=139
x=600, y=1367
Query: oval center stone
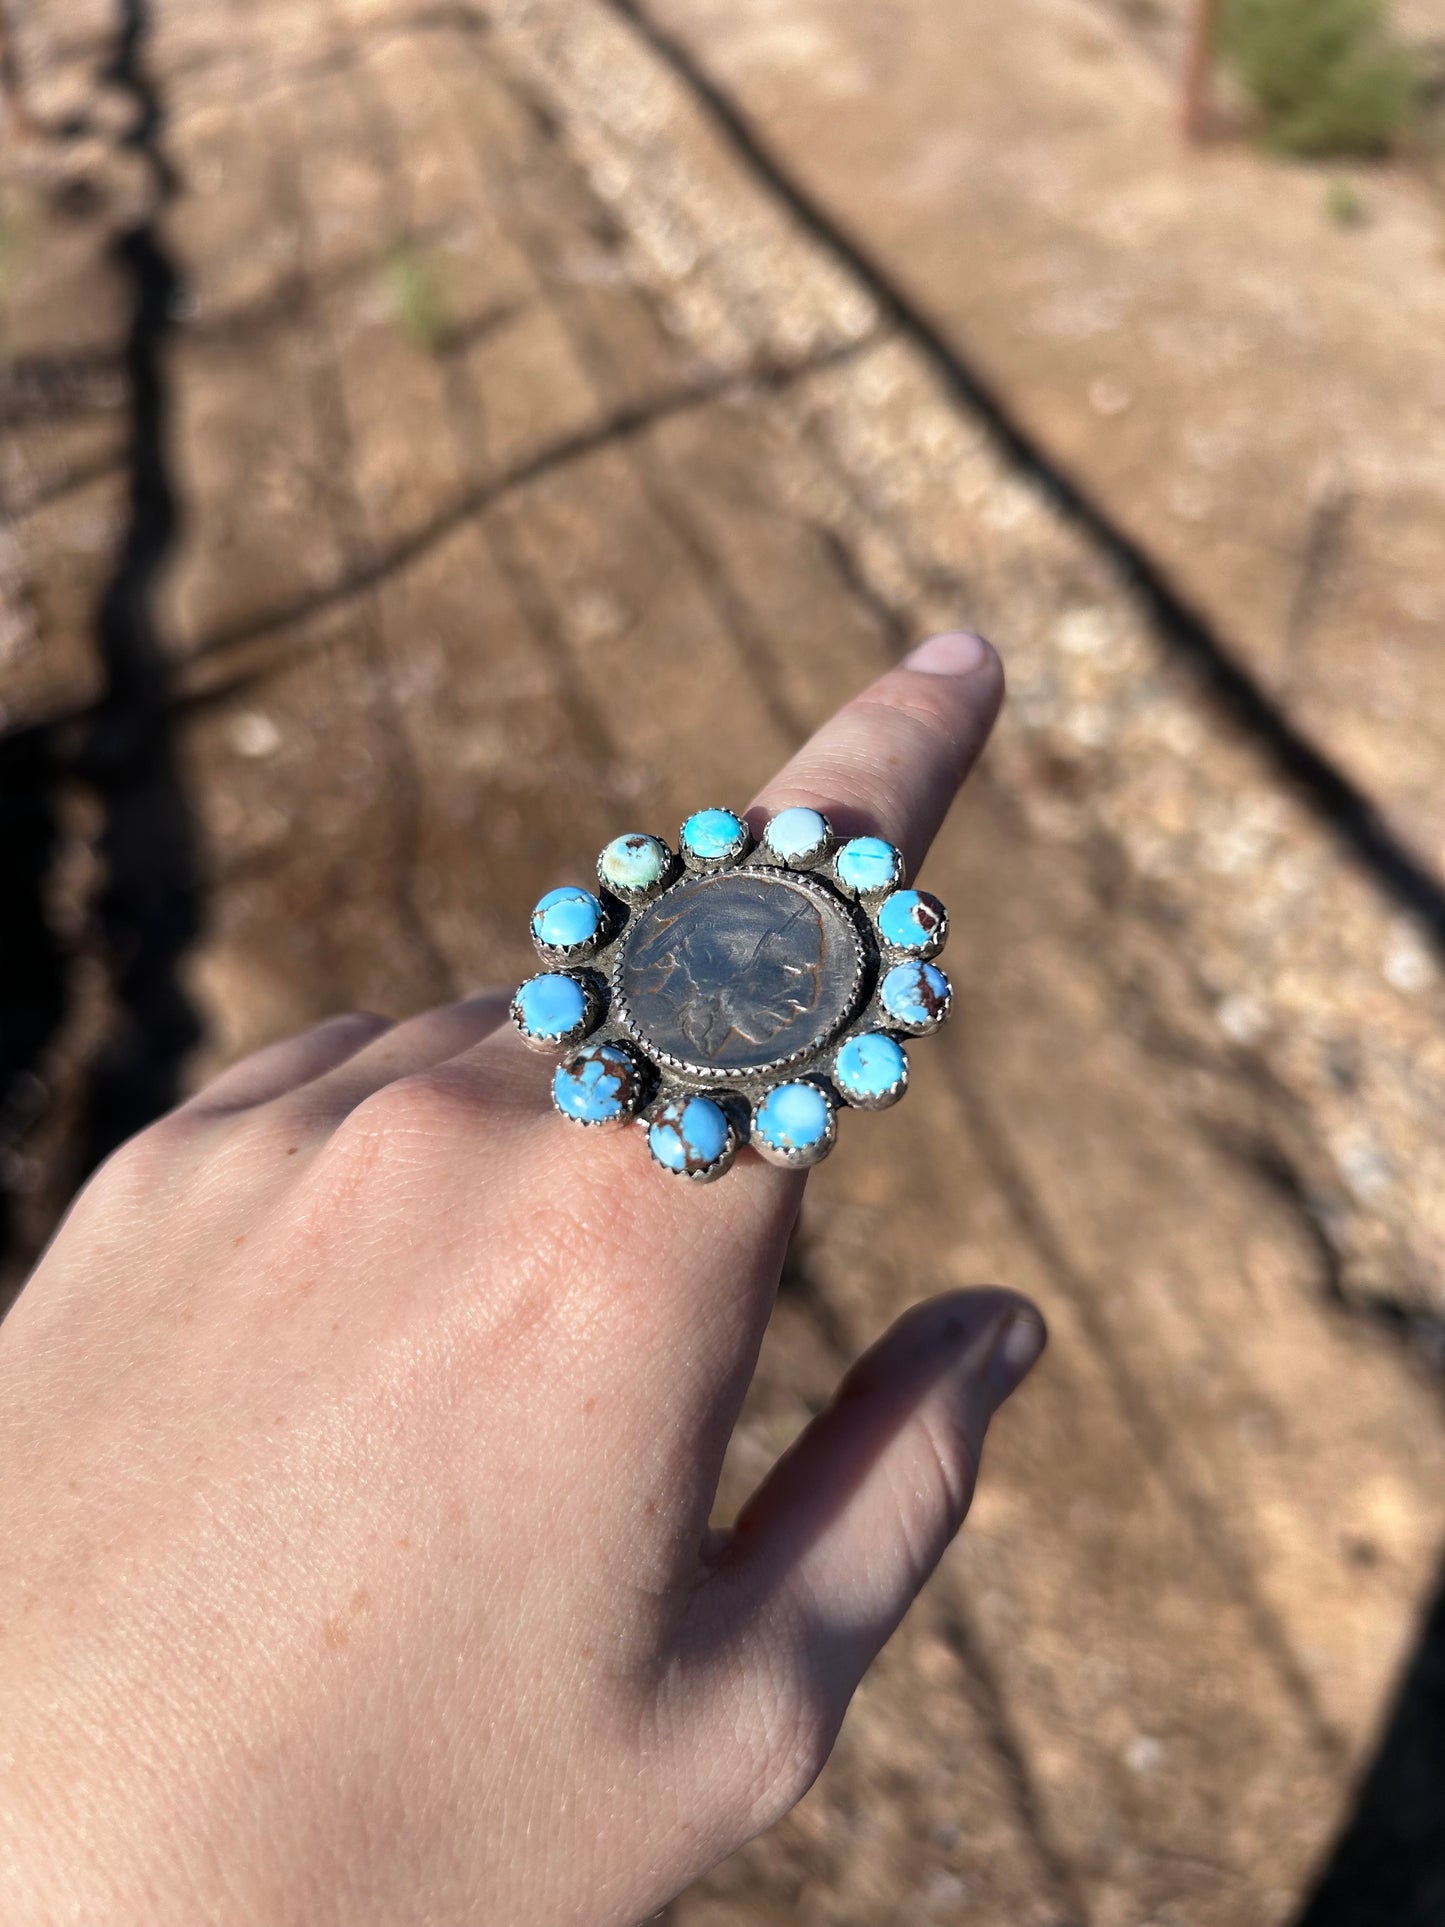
x=736, y=972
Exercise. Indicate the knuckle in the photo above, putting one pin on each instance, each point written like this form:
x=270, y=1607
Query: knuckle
x=932, y=728
x=145, y=1166
x=942, y=1464
x=933, y=1490
x=155, y=1149
x=428, y=1105
x=260, y=1137
x=362, y=1024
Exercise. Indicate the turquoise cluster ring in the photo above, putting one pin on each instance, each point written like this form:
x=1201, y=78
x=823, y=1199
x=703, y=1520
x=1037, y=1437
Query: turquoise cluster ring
x=736, y=990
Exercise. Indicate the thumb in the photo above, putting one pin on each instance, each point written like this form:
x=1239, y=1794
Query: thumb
x=833, y=1547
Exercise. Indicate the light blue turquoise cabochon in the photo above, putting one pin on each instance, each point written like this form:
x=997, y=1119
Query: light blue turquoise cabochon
x=711, y=835
x=634, y=862
x=870, y=1065
x=552, y=1005
x=689, y=1134
x=597, y=1086
x=914, y=993
x=908, y=920
x=868, y=863
x=793, y=1117
x=796, y=833
x=567, y=916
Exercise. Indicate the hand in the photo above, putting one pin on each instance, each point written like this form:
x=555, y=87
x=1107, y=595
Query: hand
x=358, y=1436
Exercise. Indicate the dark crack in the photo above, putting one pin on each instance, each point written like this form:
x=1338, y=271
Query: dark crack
x=386, y=560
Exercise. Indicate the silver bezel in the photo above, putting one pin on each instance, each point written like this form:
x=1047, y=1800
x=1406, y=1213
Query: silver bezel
x=721, y=1164
x=884, y=1100
x=646, y=1089
x=876, y=895
x=890, y=1021
x=593, y=996
x=911, y=952
x=705, y=866
x=799, y=866
x=636, y=896
x=797, y=1160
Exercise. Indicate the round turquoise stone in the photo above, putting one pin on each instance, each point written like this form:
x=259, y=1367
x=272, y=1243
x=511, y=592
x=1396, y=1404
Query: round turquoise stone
x=916, y=996
x=602, y=1084
x=691, y=1136
x=797, y=837
x=794, y=1119
x=867, y=865
x=551, y=1009
x=568, y=918
x=871, y=1070
x=714, y=836
x=912, y=920
x=634, y=864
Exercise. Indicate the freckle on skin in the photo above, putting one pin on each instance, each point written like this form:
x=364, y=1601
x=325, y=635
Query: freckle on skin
x=404, y=1542
x=360, y=1600
x=293, y=1150
x=589, y=1405
x=651, y=1509
x=335, y=1634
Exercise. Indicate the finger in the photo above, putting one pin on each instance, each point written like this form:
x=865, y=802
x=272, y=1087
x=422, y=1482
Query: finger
x=419, y=1044
x=833, y=1547
x=278, y=1068
x=891, y=761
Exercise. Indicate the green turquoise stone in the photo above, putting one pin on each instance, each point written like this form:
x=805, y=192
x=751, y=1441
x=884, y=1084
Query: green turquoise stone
x=634, y=862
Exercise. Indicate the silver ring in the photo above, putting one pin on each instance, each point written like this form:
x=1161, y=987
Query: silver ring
x=734, y=992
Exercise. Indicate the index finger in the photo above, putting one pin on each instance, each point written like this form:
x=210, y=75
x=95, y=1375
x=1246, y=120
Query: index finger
x=890, y=762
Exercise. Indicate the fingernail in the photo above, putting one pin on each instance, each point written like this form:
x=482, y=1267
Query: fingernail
x=1016, y=1351
x=957, y=654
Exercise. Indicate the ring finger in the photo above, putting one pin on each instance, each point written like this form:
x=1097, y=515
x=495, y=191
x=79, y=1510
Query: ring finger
x=889, y=762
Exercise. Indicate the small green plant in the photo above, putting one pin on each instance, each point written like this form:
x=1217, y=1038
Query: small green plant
x=417, y=296
x=1326, y=75
x=1345, y=205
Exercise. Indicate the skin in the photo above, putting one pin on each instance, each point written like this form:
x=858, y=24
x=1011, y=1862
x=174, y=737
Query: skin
x=358, y=1437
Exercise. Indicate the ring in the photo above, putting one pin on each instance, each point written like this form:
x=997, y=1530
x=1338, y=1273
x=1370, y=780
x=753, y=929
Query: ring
x=734, y=992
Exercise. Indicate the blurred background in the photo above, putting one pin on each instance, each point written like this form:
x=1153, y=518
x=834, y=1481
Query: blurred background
x=439, y=436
